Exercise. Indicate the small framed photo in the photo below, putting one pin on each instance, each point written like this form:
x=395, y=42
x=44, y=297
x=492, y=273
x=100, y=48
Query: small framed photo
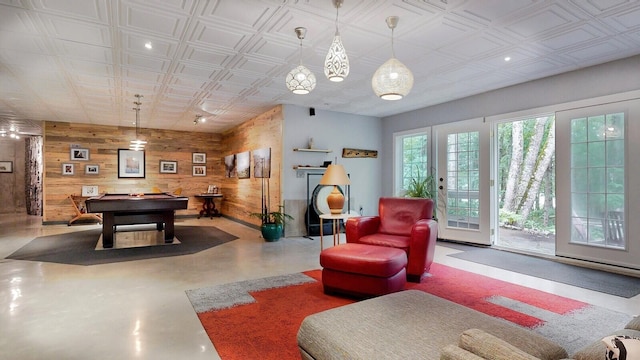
x=67, y=169
x=79, y=154
x=210, y=189
x=92, y=169
x=168, y=167
x=199, y=170
x=199, y=158
x=6, y=166
x=89, y=190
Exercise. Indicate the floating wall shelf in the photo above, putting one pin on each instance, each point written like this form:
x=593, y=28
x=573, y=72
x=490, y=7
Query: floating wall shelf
x=312, y=150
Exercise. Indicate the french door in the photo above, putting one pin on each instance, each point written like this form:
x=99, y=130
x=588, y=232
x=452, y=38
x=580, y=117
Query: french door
x=463, y=181
x=596, y=157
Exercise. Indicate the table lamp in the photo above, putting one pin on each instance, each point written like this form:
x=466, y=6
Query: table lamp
x=335, y=175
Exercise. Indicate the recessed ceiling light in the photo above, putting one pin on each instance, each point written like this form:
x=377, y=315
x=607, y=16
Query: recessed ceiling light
x=148, y=45
x=507, y=58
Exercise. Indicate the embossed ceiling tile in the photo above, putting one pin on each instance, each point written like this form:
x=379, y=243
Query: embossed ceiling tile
x=74, y=30
x=16, y=20
x=220, y=36
x=274, y=50
x=182, y=6
x=139, y=87
x=437, y=35
x=625, y=20
x=135, y=43
x=92, y=80
x=189, y=82
x=200, y=71
x=477, y=46
x=22, y=42
x=142, y=75
x=572, y=37
x=531, y=24
x=88, y=68
x=82, y=51
x=152, y=20
x=596, y=53
x=177, y=91
x=544, y=66
x=431, y=63
x=145, y=62
x=90, y=10
x=597, y=7
x=253, y=15
x=215, y=57
x=491, y=11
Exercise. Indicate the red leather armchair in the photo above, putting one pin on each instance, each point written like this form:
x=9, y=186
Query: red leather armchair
x=403, y=223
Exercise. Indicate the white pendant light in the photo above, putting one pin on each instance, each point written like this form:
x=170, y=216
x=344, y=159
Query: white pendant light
x=392, y=80
x=137, y=144
x=336, y=64
x=300, y=80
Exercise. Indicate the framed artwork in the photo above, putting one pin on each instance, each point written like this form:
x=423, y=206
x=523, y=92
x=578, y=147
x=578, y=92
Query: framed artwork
x=168, y=167
x=92, y=169
x=79, y=154
x=262, y=163
x=67, y=169
x=130, y=163
x=89, y=190
x=243, y=166
x=199, y=158
x=199, y=170
x=6, y=166
x=230, y=166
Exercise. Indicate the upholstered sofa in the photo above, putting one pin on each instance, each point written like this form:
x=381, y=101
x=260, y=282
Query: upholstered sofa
x=415, y=325
x=403, y=223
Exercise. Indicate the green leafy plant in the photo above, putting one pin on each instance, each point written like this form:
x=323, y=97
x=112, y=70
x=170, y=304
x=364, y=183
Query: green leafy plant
x=272, y=217
x=420, y=187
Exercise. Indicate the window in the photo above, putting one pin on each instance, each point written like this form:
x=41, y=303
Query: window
x=597, y=180
x=412, y=158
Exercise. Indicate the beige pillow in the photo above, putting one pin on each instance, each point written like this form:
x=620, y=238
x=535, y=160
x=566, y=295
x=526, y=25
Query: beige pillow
x=452, y=352
x=490, y=347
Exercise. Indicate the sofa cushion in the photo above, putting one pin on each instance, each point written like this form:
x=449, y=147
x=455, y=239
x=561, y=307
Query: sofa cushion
x=597, y=349
x=388, y=240
x=397, y=215
x=490, y=347
x=620, y=347
x=634, y=324
x=452, y=352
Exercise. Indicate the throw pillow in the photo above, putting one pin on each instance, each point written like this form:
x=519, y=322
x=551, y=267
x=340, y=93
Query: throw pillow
x=622, y=347
x=491, y=347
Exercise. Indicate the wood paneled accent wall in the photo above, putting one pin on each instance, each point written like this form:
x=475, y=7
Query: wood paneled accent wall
x=243, y=196
x=103, y=143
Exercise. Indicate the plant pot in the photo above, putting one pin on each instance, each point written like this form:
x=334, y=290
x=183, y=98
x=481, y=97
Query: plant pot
x=271, y=232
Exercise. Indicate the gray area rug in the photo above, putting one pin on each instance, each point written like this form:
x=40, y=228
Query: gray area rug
x=78, y=248
x=601, y=281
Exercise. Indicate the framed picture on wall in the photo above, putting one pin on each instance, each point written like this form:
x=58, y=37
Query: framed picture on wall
x=92, y=169
x=130, y=163
x=199, y=158
x=89, y=190
x=67, y=169
x=168, y=167
x=199, y=170
x=6, y=166
x=79, y=154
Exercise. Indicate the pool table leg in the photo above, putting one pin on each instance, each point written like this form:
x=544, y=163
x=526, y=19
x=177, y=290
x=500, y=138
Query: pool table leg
x=108, y=228
x=169, y=227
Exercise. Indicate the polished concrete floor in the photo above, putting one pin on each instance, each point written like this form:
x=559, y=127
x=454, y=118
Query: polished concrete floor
x=139, y=310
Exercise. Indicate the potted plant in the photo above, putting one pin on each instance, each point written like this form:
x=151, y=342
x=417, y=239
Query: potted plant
x=420, y=187
x=272, y=223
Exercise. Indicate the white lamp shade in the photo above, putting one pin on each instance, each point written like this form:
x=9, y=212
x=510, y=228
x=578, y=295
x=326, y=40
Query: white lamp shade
x=336, y=64
x=300, y=80
x=392, y=80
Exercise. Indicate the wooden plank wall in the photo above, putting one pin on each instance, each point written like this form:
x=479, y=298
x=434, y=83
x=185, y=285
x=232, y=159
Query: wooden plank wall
x=243, y=196
x=103, y=143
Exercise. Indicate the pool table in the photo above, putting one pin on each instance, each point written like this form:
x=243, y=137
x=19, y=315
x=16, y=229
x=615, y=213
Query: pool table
x=129, y=209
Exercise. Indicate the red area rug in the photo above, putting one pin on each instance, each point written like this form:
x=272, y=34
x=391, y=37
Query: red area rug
x=260, y=318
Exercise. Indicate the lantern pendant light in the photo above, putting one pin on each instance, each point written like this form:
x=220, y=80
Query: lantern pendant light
x=392, y=80
x=336, y=64
x=300, y=80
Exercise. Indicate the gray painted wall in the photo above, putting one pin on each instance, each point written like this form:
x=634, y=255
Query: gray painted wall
x=333, y=131
x=12, y=185
x=600, y=80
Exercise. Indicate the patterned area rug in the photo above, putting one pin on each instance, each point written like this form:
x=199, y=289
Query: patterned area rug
x=260, y=318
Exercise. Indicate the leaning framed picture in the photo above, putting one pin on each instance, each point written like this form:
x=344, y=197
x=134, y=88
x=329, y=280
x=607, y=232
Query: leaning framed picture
x=67, y=169
x=130, y=163
x=168, y=167
x=6, y=166
x=79, y=154
x=199, y=170
x=92, y=169
x=199, y=158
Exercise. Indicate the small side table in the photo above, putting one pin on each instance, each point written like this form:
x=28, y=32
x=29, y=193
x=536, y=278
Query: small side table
x=335, y=218
x=209, y=206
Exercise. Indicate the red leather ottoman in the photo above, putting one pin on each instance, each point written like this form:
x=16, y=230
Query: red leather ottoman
x=363, y=270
